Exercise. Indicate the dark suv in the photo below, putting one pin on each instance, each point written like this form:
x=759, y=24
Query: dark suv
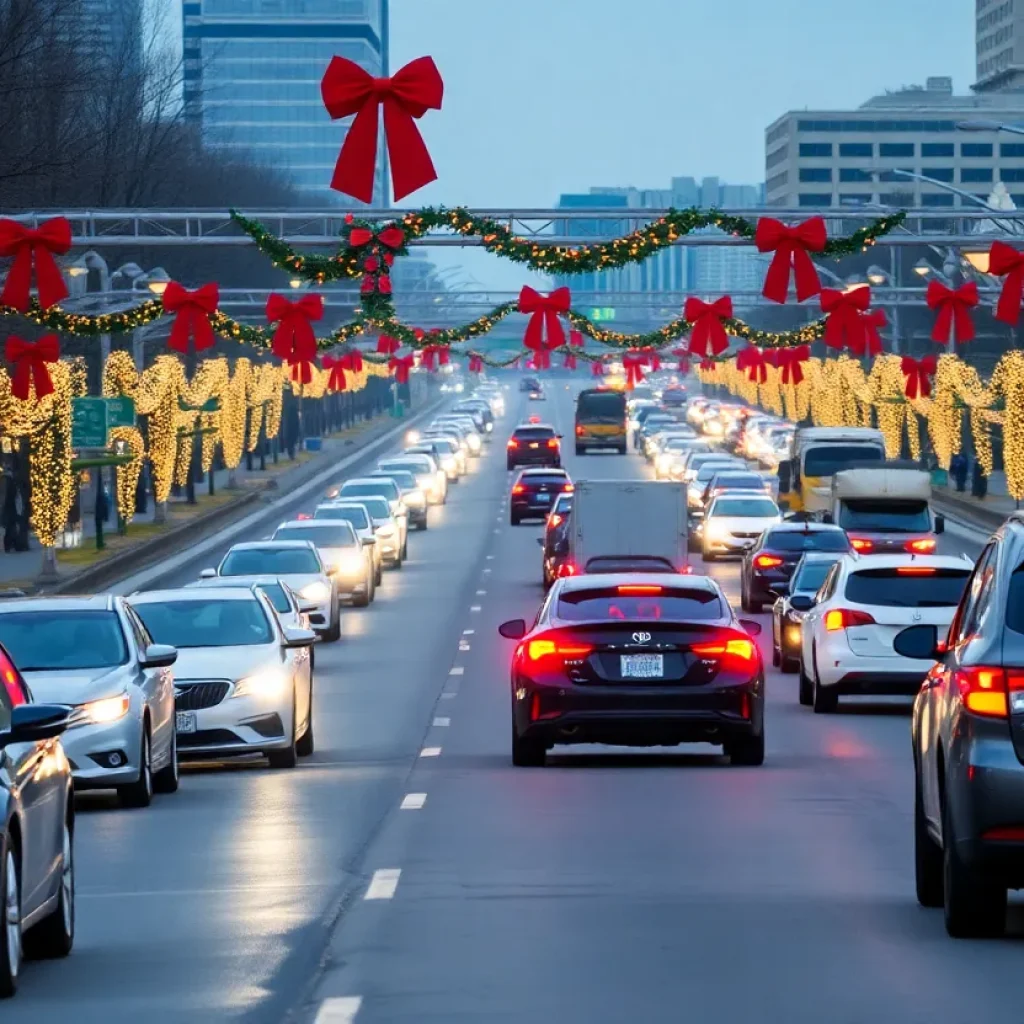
x=968, y=742
x=534, y=446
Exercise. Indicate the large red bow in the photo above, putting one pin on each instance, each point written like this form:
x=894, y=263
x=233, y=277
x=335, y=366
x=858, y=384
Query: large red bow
x=193, y=311
x=400, y=367
x=391, y=237
x=430, y=352
x=29, y=361
x=544, y=329
x=845, y=323
x=871, y=321
x=570, y=361
x=352, y=361
x=336, y=381
x=917, y=372
x=347, y=89
x=35, y=246
x=387, y=346
x=707, y=332
x=597, y=368
x=294, y=338
x=633, y=362
x=751, y=360
x=476, y=363
x=953, y=309
x=1005, y=261
x=791, y=246
x=789, y=362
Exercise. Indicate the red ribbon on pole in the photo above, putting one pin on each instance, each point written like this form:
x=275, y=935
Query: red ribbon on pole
x=789, y=362
x=1005, y=261
x=873, y=321
x=391, y=237
x=34, y=247
x=347, y=89
x=400, y=367
x=845, y=310
x=751, y=360
x=791, y=246
x=597, y=368
x=633, y=362
x=336, y=381
x=431, y=352
x=575, y=338
x=544, y=330
x=708, y=365
x=708, y=335
x=352, y=361
x=29, y=360
x=302, y=370
x=953, y=309
x=193, y=309
x=476, y=363
x=387, y=345
x=294, y=337
x=917, y=372
x=375, y=283
x=570, y=361
x=653, y=357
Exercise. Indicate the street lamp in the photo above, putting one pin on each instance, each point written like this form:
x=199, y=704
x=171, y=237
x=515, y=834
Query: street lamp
x=923, y=267
x=157, y=280
x=977, y=259
x=877, y=276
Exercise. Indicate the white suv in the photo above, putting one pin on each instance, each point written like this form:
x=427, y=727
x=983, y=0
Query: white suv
x=849, y=625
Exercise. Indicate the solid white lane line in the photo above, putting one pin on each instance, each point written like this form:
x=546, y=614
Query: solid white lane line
x=458, y=670
x=383, y=884
x=414, y=801
x=442, y=723
x=449, y=694
x=474, y=607
x=480, y=593
x=430, y=752
x=468, y=632
x=341, y=1010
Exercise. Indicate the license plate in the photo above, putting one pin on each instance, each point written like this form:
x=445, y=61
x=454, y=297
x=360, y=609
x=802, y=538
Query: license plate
x=542, y=499
x=642, y=666
x=185, y=721
x=533, y=446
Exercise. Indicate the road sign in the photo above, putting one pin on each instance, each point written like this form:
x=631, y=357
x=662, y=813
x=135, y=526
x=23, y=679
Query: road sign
x=602, y=313
x=88, y=423
x=120, y=412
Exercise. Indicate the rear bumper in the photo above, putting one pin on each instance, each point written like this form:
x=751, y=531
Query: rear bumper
x=417, y=516
x=525, y=510
x=879, y=684
x=534, y=460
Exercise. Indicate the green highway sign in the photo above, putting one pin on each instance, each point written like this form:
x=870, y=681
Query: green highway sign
x=120, y=412
x=601, y=313
x=88, y=423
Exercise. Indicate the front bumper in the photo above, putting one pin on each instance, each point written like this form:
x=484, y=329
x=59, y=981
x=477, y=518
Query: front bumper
x=238, y=726
x=418, y=515
x=89, y=747
x=728, y=545
x=320, y=618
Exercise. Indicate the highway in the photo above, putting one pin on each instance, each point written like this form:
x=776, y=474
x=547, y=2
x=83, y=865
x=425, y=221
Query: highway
x=407, y=872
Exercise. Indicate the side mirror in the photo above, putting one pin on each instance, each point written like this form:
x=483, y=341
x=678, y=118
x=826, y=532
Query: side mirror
x=294, y=637
x=750, y=626
x=369, y=542
x=940, y=524
x=514, y=629
x=208, y=574
x=159, y=656
x=779, y=589
x=801, y=602
x=918, y=642
x=306, y=607
x=33, y=722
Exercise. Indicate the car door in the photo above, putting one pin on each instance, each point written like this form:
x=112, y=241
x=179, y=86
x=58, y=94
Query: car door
x=814, y=616
x=157, y=685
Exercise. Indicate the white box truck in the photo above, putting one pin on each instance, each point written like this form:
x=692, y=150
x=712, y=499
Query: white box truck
x=628, y=526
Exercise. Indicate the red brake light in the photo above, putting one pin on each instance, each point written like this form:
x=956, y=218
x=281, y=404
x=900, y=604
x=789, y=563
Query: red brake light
x=568, y=488
x=638, y=590
x=303, y=515
x=579, y=431
x=543, y=648
x=552, y=442
x=513, y=443
x=534, y=419
x=554, y=519
x=566, y=569
x=518, y=489
x=767, y=561
x=861, y=544
x=915, y=570
x=1007, y=834
x=923, y=546
x=844, y=618
x=739, y=647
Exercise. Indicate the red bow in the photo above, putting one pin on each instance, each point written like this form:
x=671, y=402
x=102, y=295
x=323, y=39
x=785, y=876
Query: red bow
x=575, y=339
x=294, y=338
x=302, y=370
x=352, y=361
x=597, y=368
x=429, y=353
x=1005, y=261
x=544, y=324
x=917, y=372
x=387, y=345
x=953, y=308
x=791, y=246
x=35, y=246
x=375, y=283
x=193, y=315
x=336, y=381
x=476, y=363
x=788, y=361
x=751, y=360
x=652, y=358
x=570, y=361
x=392, y=237
x=871, y=321
x=633, y=362
x=706, y=318
x=845, y=323
x=347, y=89
x=708, y=365
x=29, y=361
x=400, y=367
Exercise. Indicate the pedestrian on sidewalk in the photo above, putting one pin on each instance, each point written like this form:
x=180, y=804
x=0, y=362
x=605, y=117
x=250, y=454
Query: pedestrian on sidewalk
x=979, y=482
x=958, y=470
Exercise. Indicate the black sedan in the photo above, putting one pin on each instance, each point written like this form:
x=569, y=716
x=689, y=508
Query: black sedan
x=768, y=565
x=636, y=660
x=555, y=542
x=789, y=610
x=37, y=814
x=534, y=492
x=534, y=445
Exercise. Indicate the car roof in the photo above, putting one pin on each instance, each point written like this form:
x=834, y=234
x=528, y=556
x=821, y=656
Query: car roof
x=897, y=561
x=224, y=591
x=314, y=524
x=809, y=527
x=364, y=480
x=534, y=426
x=94, y=603
x=259, y=545
x=237, y=582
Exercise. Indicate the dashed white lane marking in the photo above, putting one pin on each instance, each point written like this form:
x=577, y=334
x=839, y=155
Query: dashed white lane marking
x=474, y=607
x=463, y=647
x=341, y=1010
x=449, y=694
x=383, y=884
x=468, y=632
x=496, y=530
x=442, y=723
x=486, y=571
x=490, y=558
x=430, y=752
x=480, y=593
x=414, y=801
x=458, y=670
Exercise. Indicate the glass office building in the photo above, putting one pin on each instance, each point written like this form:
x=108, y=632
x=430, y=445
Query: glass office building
x=252, y=79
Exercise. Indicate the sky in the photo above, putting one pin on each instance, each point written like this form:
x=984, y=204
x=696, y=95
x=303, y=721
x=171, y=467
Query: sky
x=550, y=96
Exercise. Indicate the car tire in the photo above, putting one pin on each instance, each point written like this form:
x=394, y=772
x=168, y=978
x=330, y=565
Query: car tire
x=306, y=743
x=289, y=756
x=54, y=936
x=776, y=656
x=514, y=520
x=422, y=525
x=708, y=556
x=333, y=632
x=805, y=688
x=166, y=780
x=140, y=792
x=378, y=575
x=789, y=666
x=405, y=549
x=755, y=607
x=974, y=907
x=747, y=750
x=744, y=603
x=928, y=866
x=824, y=701
x=527, y=753
x=509, y=466
x=10, y=932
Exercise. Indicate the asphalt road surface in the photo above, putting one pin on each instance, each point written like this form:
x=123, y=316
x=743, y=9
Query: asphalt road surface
x=406, y=872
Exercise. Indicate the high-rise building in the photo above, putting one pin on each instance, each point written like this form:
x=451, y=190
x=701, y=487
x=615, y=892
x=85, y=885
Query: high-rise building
x=108, y=30
x=999, y=45
x=252, y=80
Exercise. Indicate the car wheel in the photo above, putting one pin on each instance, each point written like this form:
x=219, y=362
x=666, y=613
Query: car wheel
x=333, y=631
x=975, y=907
x=305, y=744
x=510, y=467
x=362, y=600
x=708, y=556
x=289, y=756
x=755, y=606
x=422, y=525
x=806, y=688
x=928, y=865
x=823, y=701
x=166, y=780
x=776, y=657
x=140, y=792
x=746, y=750
x=527, y=753
x=514, y=520
x=405, y=549
x=744, y=603
x=788, y=665
x=378, y=576
x=54, y=936
x=10, y=935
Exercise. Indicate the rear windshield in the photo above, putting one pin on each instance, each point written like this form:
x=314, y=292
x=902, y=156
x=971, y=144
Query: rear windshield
x=810, y=578
x=641, y=564
x=807, y=540
x=350, y=514
x=377, y=507
x=745, y=508
x=640, y=603
x=888, y=516
x=1014, y=601
x=270, y=562
x=63, y=640
x=709, y=469
x=327, y=535
x=739, y=481
x=908, y=586
x=534, y=433
x=532, y=479
x=404, y=467
x=827, y=460
x=601, y=407
x=682, y=444
x=383, y=489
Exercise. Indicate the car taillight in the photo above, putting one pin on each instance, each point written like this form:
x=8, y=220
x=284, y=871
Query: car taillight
x=861, y=544
x=518, y=489
x=991, y=692
x=844, y=618
x=739, y=653
x=922, y=546
x=566, y=569
x=303, y=515
x=513, y=443
x=568, y=489
x=537, y=650
x=552, y=442
x=579, y=431
x=553, y=520
x=767, y=561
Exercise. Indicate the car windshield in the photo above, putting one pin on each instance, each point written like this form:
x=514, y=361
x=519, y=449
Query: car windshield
x=807, y=540
x=383, y=488
x=533, y=433
x=888, y=516
x=270, y=562
x=377, y=507
x=710, y=469
x=809, y=578
x=640, y=563
x=212, y=623
x=908, y=586
x=58, y=640
x=326, y=535
x=745, y=508
x=406, y=481
x=829, y=459
x=639, y=603
x=349, y=513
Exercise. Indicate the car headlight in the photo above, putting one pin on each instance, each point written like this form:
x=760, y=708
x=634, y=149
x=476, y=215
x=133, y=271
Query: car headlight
x=715, y=531
x=268, y=682
x=412, y=437
x=317, y=591
x=350, y=563
x=448, y=463
x=385, y=531
x=425, y=482
x=414, y=498
x=474, y=442
x=101, y=712
x=489, y=427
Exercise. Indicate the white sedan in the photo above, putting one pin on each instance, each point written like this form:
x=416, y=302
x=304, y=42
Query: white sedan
x=734, y=521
